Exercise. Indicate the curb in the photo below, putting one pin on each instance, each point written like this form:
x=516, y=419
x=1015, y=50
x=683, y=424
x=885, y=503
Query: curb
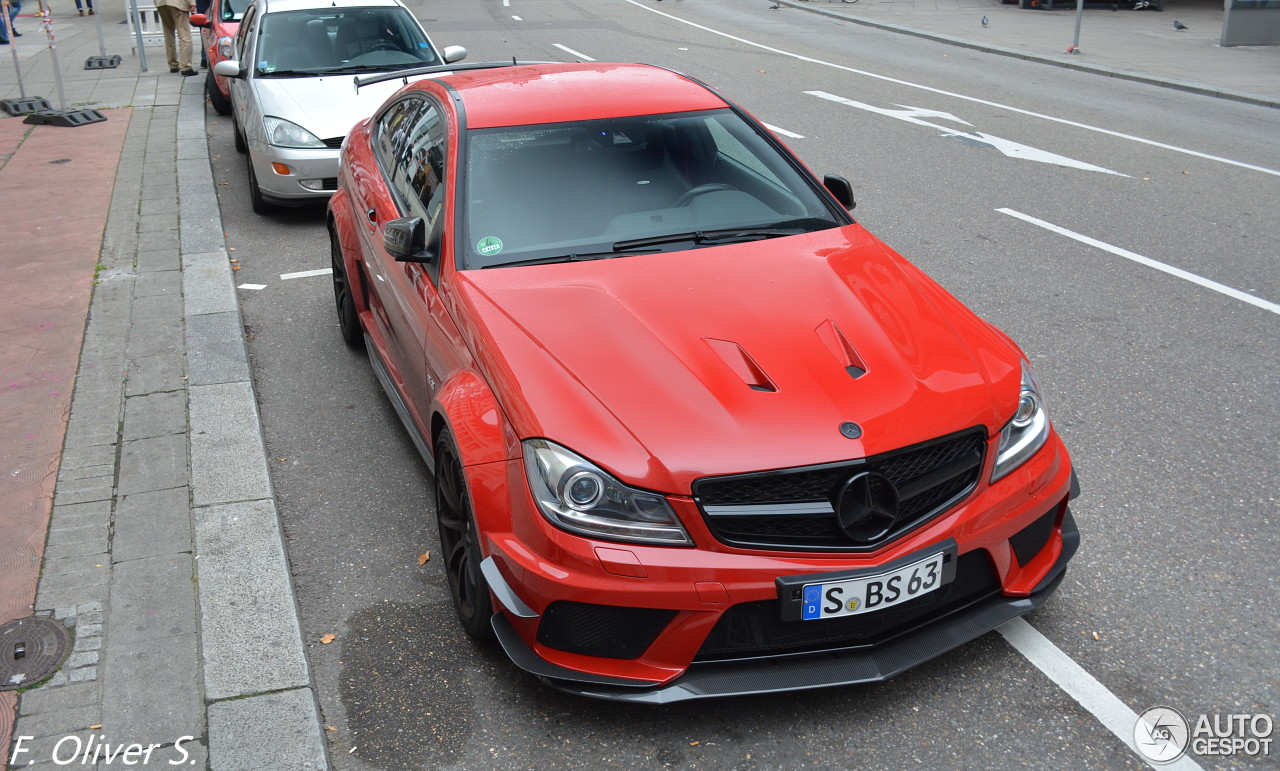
x=1111, y=72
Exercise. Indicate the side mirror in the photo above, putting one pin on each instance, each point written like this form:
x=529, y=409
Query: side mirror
x=454, y=54
x=227, y=68
x=841, y=189
x=199, y=20
x=406, y=240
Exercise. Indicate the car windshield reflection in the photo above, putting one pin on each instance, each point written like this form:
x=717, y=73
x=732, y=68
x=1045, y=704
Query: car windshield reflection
x=563, y=191
x=334, y=41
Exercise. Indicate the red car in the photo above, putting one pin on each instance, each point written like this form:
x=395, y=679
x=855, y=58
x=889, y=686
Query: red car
x=218, y=26
x=695, y=432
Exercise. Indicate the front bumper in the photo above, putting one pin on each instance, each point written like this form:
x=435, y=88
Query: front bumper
x=819, y=669
x=317, y=168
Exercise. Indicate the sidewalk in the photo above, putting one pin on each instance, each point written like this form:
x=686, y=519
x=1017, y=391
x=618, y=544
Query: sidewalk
x=134, y=481
x=164, y=555
x=1142, y=46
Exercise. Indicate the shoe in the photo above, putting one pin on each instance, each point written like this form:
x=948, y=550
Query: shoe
x=90, y=11
x=173, y=69
x=189, y=73
x=16, y=33
x=4, y=42
x=82, y=13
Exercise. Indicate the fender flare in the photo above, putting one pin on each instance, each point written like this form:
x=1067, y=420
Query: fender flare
x=467, y=407
x=341, y=223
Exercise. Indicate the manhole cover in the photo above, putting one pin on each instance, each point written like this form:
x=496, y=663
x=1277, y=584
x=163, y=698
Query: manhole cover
x=30, y=650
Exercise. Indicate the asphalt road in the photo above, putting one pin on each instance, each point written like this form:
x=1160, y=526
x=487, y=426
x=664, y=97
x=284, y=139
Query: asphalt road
x=1166, y=391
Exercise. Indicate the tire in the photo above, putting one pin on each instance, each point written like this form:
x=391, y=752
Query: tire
x=221, y=104
x=241, y=146
x=459, y=542
x=259, y=204
x=348, y=320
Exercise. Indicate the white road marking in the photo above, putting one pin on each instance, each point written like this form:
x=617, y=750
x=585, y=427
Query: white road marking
x=306, y=274
x=506, y=3
x=974, y=99
x=1150, y=263
x=1081, y=686
x=252, y=286
x=783, y=132
x=517, y=18
x=1007, y=147
x=573, y=53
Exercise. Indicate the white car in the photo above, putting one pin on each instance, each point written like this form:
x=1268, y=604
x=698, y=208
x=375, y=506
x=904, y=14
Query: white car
x=293, y=90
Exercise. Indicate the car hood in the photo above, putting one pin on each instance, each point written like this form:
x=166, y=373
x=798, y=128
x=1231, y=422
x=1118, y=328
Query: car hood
x=326, y=106
x=667, y=367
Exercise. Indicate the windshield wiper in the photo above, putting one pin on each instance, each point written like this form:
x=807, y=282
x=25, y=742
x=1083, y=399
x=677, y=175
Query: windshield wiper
x=573, y=257
x=352, y=69
x=287, y=74
x=710, y=237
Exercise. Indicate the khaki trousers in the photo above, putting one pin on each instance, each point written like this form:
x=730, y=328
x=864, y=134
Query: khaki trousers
x=176, y=22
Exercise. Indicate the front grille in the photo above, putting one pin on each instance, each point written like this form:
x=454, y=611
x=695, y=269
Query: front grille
x=334, y=142
x=610, y=631
x=757, y=629
x=796, y=508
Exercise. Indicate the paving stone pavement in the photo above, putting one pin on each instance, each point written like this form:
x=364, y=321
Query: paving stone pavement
x=164, y=554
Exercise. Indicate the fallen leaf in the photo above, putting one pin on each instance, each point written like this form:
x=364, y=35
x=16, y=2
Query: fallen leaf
x=231, y=248
x=1096, y=637
x=423, y=557
x=695, y=744
x=331, y=728
x=325, y=639
x=95, y=727
x=224, y=183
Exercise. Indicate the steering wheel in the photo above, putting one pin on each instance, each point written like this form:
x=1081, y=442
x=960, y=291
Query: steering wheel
x=383, y=45
x=694, y=192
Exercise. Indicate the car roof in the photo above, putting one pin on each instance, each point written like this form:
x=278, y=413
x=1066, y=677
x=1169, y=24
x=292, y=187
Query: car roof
x=551, y=93
x=279, y=6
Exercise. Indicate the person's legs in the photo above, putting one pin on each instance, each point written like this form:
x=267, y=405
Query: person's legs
x=15, y=7
x=169, y=25
x=182, y=25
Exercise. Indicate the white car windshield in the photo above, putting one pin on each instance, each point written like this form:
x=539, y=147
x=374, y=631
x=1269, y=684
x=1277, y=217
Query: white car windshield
x=331, y=41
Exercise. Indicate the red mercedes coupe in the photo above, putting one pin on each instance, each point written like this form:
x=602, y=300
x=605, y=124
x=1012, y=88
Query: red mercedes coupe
x=695, y=432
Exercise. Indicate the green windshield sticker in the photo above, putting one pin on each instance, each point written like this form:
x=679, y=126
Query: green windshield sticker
x=489, y=245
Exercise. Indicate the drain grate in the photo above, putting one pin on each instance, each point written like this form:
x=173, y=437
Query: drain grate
x=31, y=649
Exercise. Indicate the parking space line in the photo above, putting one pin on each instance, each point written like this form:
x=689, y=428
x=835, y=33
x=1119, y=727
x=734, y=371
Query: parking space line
x=252, y=286
x=306, y=274
x=974, y=99
x=517, y=18
x=1114, y=714
x=783, y=132
x=573, y=53
x=1150, y=263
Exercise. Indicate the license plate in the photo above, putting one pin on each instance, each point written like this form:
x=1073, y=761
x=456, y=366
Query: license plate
x=854, y=596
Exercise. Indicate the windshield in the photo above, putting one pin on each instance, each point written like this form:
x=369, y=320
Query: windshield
x=231, y=10
x=335, y=41
x=606, y=188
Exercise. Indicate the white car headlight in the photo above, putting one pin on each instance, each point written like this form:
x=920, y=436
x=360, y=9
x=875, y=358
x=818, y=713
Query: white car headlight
x=224, y=46
x=1026, y=432
x=576, y=495
x=283, y=133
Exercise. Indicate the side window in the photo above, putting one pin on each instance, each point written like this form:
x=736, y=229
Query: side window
x=242, y=36
x=411, y=147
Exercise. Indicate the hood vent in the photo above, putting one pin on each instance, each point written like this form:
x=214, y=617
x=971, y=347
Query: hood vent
x=742, y=365
x=842, y=349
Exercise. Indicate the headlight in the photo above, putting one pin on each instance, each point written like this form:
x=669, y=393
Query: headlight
x=1026, y=432
x=282, y=133
x=224, y=46
x=575, y=494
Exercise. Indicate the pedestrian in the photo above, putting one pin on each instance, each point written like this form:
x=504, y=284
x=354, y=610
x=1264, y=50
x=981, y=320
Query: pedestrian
x=8, y=25
x=80, y=7
x=175, y=20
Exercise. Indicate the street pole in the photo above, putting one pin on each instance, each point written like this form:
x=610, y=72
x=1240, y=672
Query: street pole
x=1075, y=42
x=137, y=31
x=13, y=48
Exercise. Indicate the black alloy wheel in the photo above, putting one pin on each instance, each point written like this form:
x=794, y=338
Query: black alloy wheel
x=241, y=145
x=348, y=321
x=460, y=543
